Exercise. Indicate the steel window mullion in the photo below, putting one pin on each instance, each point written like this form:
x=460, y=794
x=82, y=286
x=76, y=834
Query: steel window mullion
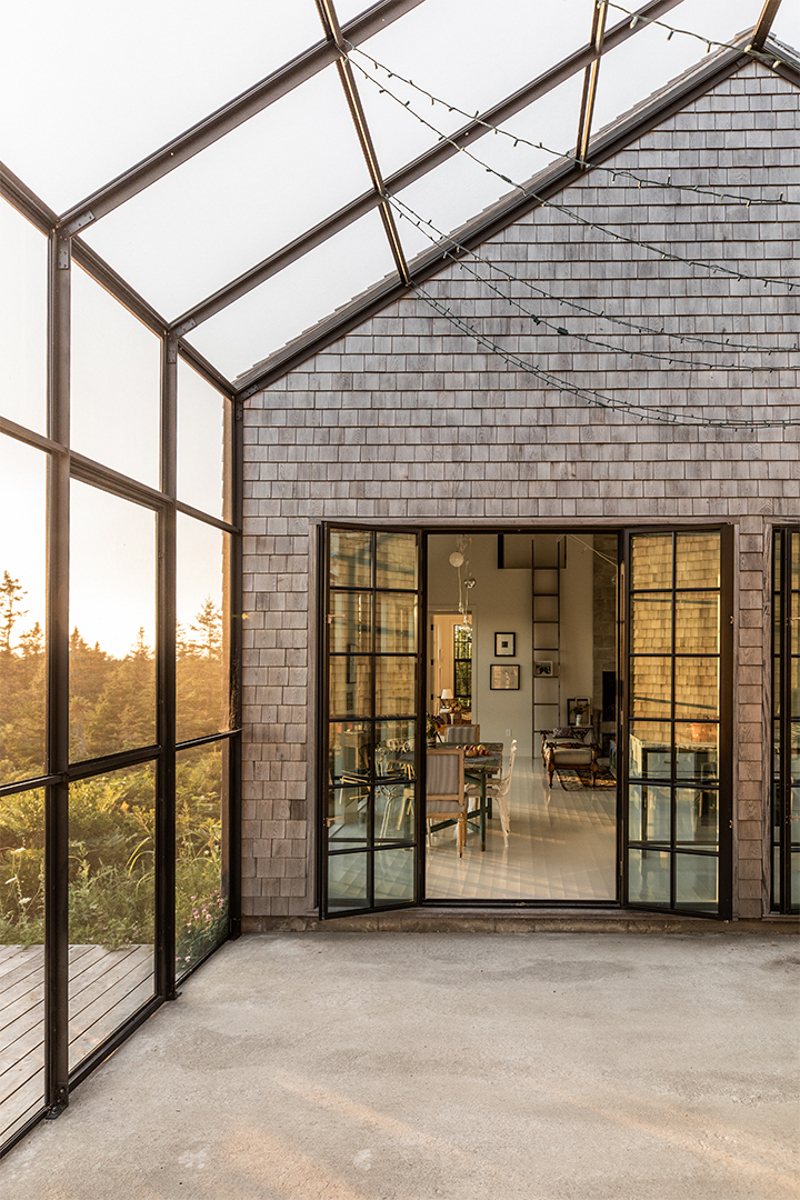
x=56, y=947
x=165, y=682
x=785, y=722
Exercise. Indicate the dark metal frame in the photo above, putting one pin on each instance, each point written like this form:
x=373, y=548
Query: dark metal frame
x=325, y=717
x=64, y=465
x=724, y=853
x=781, y=786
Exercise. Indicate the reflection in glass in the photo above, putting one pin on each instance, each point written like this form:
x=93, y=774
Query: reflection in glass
x=697, y=560
x=396, y=684
x=22, y=945
x=652, y=624
x=201, y=900
x=23, y=675
x=696, y=688
x=697, y=882
x=350, y=685
x=202, y=678
x=394, y=876
x=350, y=622
x=696, y=817
x=649, y=813
x=649, y=750
x=112, y=674
x=111, y=903
x=23, y=320
x=697, y=751
x=648, y=877
x=350, y=558
x=203, y=418
x=794, y=879
x=115, y=373
x=651, y=561
x=651, y=680
x=394, y=750
x=349, y=750
x=396, y=623
x=348, y=813
x=347, y=882
x=396, y=560
x=697, y=623
x=394, y=810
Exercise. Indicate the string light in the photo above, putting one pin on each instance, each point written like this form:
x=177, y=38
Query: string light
x=660, y=357
x=699, y=37
x=518, y=140
x=573, y=216
x=591, y=395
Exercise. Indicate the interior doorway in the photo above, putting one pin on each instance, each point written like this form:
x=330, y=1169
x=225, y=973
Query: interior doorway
x=541, y=610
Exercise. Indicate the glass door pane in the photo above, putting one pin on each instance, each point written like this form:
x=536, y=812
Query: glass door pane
x=672, y=785
x=371, y=714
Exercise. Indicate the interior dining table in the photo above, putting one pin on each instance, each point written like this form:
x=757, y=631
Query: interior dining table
x=479, y=770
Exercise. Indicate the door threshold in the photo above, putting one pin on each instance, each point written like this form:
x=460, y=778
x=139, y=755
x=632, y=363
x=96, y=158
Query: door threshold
x=442, y=919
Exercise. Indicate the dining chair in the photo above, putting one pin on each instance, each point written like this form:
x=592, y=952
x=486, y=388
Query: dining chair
x=462, y=735
x=445, y=799
x=499, y=792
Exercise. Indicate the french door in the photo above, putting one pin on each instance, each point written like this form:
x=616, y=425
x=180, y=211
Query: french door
x=786, y=723
x=676, y=722
x=372, y=729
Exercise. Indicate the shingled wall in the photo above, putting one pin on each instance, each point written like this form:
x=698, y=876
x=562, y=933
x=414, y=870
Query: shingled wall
x=405, y=419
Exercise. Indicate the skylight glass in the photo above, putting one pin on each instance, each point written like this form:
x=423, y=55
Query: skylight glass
x=91, y=96
x=23, y=320
x=302, y=294
x=239, y=200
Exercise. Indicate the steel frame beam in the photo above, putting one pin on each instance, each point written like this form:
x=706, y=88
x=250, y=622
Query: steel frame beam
x=227, y=118
x=412, y=171
x=590, y=78
x=330, y=23
x=764, y=23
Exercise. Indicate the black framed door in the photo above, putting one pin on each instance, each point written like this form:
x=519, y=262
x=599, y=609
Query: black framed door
x=786, y=722
x=372, y=727
x=676, y=746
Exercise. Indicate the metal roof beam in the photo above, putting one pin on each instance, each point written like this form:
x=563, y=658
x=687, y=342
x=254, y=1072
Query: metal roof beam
x=764, y=23
x=412, y=171
x=599, y=16
x=330, y=23
x=231, y=115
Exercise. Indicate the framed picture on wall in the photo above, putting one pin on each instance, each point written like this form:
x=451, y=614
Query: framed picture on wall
x=504, y=677
x=544, y=668
x=505, y=645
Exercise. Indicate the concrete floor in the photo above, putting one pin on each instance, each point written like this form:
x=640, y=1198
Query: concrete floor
x=354, y=1066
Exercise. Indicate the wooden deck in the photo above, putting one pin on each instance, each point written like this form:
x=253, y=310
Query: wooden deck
x=105, y=987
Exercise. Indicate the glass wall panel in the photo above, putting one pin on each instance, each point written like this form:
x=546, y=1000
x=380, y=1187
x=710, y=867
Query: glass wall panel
x=348, y=813
x=347, y=882
x=651, y=686
x=697, y=882
x=201, y=896
x=396, y=560
x=111, y=903
x=23, y=320
x=696, y=688
x=652, y=624
x=396, y=623
x=203, y=433
x=115, y=383
x=21, y=958
x=395, y=685
x=112, y=675
x=349, y=746
x=696, y=817
x=351, y=685
x=394, y=876
x=203, y=691
x=651, y=562
x=351, y=622
x=786, y=720
x=350, y=559
x=23, y=611
x=697, y=622
x=648, y=877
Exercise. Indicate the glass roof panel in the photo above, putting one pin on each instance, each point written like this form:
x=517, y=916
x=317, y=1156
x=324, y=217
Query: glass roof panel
x=93, y=96
x=786, y=25
x=23, y=320
x=290, y=302
x=648, y=61
x=464, y=56
x=239, y=200
x=115, y=380
x=460, y=188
